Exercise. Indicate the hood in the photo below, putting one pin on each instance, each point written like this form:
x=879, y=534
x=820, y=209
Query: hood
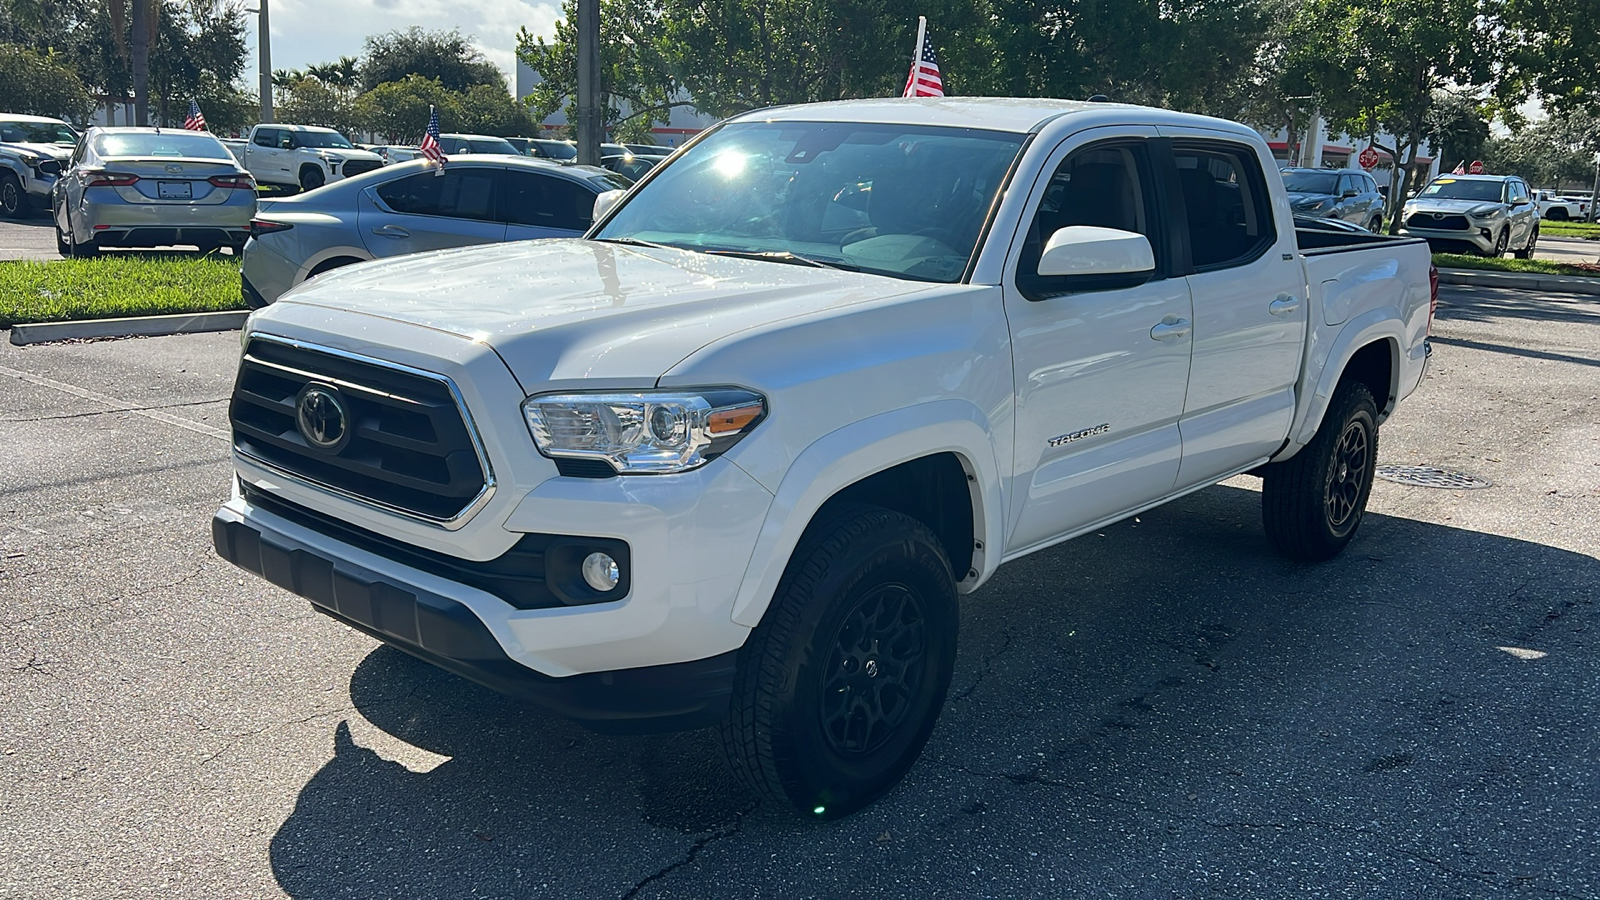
x=48, y=151
x=352, y=153
x=1439, y=204
x=610, y=315
x=1297, y=197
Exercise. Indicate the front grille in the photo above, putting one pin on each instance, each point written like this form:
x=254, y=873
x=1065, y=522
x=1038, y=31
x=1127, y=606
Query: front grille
x=1444, y=223
x=357, y=166
x=408, y=446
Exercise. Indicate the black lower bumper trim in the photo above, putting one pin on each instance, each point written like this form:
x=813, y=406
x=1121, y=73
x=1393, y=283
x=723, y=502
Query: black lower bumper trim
x=252, y=297
x=442, y=631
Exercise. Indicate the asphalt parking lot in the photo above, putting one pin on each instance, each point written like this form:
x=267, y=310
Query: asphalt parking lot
x=1163, y=709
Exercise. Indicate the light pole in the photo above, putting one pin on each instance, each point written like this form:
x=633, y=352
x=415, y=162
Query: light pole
x=264, y=54
x=589, y=82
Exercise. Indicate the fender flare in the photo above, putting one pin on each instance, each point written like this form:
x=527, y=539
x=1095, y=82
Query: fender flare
x=322, y=256
x=861, y=449
x=1369, y=327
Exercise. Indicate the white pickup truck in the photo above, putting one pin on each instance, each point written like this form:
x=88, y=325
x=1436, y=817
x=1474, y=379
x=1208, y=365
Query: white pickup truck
x=303, y=156
x=731, y=458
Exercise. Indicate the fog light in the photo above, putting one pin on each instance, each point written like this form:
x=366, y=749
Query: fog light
x=600, y=571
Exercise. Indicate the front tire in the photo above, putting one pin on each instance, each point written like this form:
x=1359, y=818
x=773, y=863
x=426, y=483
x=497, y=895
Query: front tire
x=312, y=178
x=1313, y=502
x=13, y=199
x=841, y=683
x=1376, y=225
x=1500, y=242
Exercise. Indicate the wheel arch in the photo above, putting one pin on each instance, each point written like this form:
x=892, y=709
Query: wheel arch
x=932, y=461
x=357, y=254
x=1368, y=350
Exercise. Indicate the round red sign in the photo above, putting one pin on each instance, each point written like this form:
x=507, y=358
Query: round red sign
x=1368, y=158
x=1476, y=168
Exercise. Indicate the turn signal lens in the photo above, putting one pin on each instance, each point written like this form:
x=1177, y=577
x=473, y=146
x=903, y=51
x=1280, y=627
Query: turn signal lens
x=258, y=227
x=732, y=421
x=240, y=180
x=108, y=179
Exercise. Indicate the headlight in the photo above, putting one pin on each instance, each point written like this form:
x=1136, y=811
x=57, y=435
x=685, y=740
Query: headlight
x=655, y=432
x=1485, y=212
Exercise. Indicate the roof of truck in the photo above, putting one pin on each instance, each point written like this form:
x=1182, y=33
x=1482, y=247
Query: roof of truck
x=1016, y=114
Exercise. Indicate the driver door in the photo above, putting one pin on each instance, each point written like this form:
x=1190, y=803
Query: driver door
x=1100, y=375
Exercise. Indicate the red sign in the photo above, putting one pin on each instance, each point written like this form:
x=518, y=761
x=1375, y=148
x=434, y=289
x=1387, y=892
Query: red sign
x=1368, y=158
x=1476, y=168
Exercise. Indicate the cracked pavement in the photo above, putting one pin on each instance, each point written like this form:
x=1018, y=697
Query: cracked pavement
x=1160, y=709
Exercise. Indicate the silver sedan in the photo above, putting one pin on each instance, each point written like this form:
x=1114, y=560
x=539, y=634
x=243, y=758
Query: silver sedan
x=151, y=187
x=412, y=206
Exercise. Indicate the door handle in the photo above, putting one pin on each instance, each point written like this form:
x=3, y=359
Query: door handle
x=391, y=231
x=1284, y=305
x=1170, y=329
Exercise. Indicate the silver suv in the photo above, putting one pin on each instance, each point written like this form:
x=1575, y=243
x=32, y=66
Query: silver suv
x=1488, y=213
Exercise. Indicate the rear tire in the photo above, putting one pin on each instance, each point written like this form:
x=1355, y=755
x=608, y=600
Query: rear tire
x=1557, y=214
x=1533, y=239
x=840, y=685
x=1376, y=225
x=1312, y=503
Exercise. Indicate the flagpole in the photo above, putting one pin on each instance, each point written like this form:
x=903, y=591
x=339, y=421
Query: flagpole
x=916, y=55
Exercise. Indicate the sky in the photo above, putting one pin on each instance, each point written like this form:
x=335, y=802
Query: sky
x=305, y=32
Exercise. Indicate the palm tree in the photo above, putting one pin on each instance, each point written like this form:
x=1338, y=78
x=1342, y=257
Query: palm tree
x=141, y=33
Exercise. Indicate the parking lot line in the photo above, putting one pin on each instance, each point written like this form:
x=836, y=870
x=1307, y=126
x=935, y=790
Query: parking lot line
x=112, y=402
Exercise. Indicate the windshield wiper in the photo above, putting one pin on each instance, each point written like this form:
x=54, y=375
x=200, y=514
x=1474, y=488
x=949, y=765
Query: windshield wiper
x=635, y=242
x=782, y=256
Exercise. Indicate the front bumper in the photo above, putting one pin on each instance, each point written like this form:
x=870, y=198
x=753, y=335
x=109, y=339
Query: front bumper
x=415, y=617
x=1478, y=235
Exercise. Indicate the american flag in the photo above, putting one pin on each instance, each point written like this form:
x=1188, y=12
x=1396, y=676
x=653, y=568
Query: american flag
x=430, y=140
x=196, y=121
x=924, y=80
x=1460, y=169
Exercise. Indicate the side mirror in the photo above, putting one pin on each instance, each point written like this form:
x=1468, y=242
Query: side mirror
x=605, y=202
x=1350, y=192
x=1095, y=258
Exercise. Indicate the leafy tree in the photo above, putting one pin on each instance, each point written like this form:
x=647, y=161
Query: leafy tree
x=345, y=72
x=199, y=55
x=1557, y=56
x=1383, y=64
x=398, y=110
x=1457, y=128
x=310, y=101
x=41, y=85
x=490, y=109
x=445, y=56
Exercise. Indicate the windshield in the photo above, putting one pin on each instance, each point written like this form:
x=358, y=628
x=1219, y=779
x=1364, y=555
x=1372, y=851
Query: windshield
x=609, y=182
x=490, y=145
x=186, y=144
x=1310, y=182
x=37, y=133
x=329, y=139
x=1451, y=189
x=557, y=149
x=901, y=200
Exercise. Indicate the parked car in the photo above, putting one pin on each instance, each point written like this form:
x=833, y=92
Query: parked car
x=304, y=156
x=1560, y=207
x=1486, y=214
x=408, y=207
x=466, y=144
x=151, y=187
x=630, y=166
x=649, y=149
x=543, y=148
x=1348, y=194
x=32, y=151
x=731, y=459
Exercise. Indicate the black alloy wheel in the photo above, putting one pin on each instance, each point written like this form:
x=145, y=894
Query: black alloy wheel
x=840, y=685
x=1533, y=242
x=1500, y=242
x=1348, y=476
x=13, y=202
x=1313, y=502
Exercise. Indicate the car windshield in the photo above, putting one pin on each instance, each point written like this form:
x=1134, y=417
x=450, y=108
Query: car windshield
x=329, y=139
x=185, y=144
x=557, y=149
x=610, y=182
x=901, y=200
x=37, y=133
x=1310, y=182
x=1455, y=189
x=491, y=145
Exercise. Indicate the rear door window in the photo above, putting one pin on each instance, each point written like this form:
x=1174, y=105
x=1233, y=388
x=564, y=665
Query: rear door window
x=1225, y=203
x=545, y=201
x=460, y=193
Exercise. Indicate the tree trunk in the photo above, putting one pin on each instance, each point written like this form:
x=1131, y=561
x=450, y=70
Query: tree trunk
x=1397, y=201
x=140, y=46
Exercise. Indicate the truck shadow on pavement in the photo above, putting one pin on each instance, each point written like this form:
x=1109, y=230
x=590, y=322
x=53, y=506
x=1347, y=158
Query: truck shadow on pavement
x=1163, y=699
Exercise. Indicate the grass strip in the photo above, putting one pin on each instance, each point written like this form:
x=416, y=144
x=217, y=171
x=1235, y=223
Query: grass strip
x=1522, y=266
x=1555, y=228
x=117, y=285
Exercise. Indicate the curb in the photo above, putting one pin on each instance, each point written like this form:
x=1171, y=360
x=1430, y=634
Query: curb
x=1557, y=284
x=142, y=326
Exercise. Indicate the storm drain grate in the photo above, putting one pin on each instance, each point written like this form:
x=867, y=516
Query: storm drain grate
x=1431, y=477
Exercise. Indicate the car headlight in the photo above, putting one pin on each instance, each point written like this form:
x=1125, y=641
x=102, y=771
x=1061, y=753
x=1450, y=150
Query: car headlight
x=652, y=432
x=1485, y=212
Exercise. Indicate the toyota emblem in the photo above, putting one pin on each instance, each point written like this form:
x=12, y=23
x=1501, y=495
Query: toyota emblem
x=1438, y=215
x=322, y=417
x=174, y=168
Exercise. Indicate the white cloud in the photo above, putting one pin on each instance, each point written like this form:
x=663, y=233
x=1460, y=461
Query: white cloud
x=305, y=32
